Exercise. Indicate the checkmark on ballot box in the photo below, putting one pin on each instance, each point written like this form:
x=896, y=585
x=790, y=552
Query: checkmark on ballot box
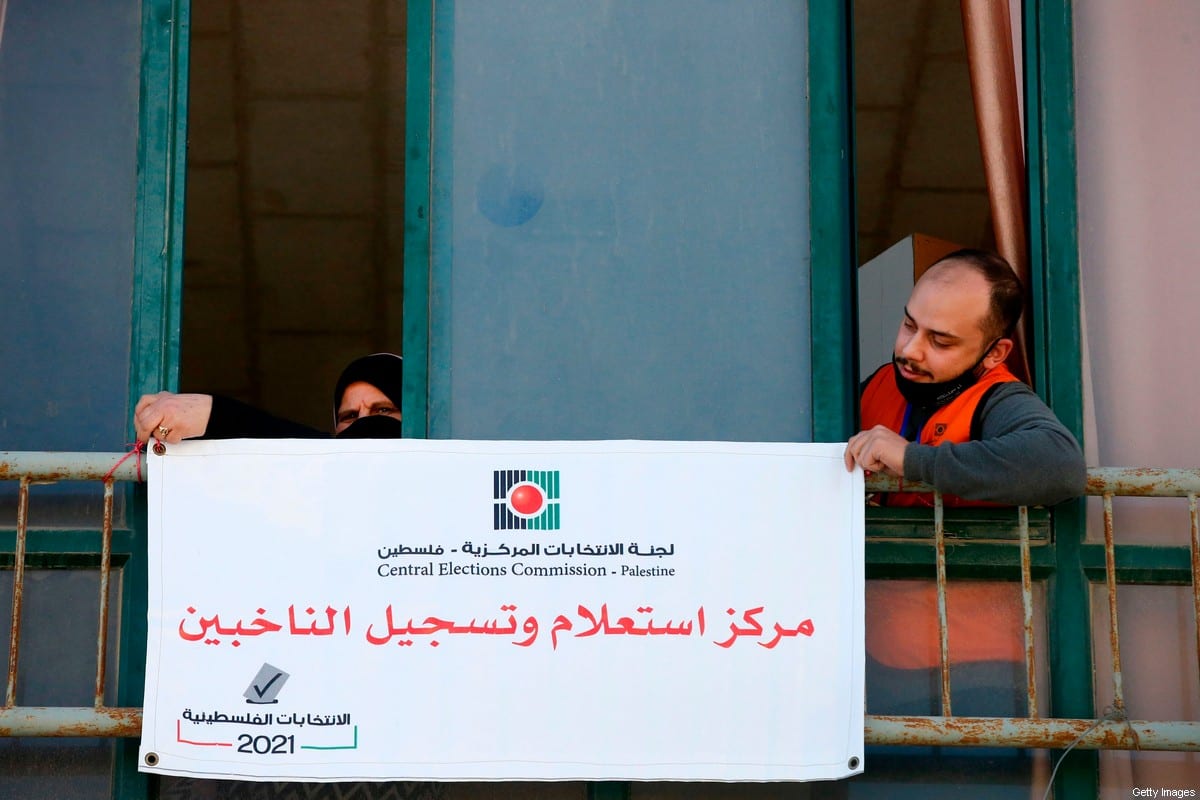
x=264, y=689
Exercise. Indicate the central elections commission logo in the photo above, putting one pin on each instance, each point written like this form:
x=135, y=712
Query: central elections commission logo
x=525, y=499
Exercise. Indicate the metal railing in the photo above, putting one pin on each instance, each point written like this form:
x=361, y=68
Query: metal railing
x=99, y=719
x=1114, y=732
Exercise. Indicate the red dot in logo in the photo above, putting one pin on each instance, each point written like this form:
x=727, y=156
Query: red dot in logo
x=526, y=499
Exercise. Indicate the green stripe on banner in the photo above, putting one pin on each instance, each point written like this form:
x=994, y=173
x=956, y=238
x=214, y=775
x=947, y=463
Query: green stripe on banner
x=554, y=488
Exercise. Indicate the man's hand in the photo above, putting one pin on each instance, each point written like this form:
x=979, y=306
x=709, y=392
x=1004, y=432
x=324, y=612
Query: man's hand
x=879, y=449
x=171, y=417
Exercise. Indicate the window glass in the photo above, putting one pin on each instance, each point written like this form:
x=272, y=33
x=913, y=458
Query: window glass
x=57, y=667
x=68, y=164
x=68, y=167
x=620, y=217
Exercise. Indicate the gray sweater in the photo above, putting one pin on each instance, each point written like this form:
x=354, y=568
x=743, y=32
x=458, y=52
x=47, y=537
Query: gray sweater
x=1023, y=455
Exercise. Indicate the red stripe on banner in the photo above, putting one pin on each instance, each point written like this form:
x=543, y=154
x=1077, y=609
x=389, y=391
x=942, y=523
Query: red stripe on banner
x=179, y=738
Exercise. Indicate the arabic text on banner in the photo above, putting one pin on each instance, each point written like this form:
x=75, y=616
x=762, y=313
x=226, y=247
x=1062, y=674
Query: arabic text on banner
x=451, y=610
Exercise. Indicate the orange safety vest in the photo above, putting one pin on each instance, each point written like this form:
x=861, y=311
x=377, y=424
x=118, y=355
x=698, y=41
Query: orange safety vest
x=882, y=404
x=984, y=622
x=984, y=618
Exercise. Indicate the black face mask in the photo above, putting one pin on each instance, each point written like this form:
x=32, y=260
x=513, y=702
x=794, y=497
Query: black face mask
x=936, y=395
x=376, y=426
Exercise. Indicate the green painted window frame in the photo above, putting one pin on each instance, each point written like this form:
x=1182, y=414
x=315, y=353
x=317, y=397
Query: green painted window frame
x=155, y=310
x=1053, y=198
x=1057, y=358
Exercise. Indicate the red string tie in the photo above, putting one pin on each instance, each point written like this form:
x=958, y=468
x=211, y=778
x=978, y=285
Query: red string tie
x=136, y=449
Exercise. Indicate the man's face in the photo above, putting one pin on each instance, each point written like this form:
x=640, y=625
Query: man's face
x=942, y=334
x=362, y=399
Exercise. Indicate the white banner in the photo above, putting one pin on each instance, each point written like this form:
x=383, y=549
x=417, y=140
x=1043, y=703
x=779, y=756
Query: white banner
x=461, y=610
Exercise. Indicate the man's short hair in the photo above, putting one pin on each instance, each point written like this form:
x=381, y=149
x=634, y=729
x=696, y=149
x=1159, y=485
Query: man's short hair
x=1007, y=294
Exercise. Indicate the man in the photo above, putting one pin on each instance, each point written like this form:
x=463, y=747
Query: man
x=948, y=413
x=363, y=407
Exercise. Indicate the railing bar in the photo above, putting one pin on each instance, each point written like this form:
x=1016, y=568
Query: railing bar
x=1087, y=734
x=67, y=721
x=939, y=537
x=61, y=466
x=1142, y=481
x=14, y=644
x=1121, y=481
x=1110, y=569
x=57, y=466
x=1027, y=604
x=1195, y=566
x=105, y=568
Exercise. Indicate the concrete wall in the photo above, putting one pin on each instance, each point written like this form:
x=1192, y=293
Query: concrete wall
x=1139, y=194
x=1138, y=121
